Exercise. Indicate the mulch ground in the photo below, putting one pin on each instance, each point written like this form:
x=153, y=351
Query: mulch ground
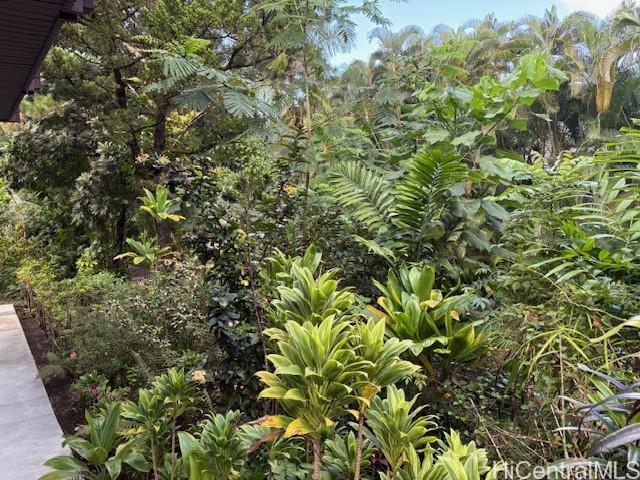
x=67, y=412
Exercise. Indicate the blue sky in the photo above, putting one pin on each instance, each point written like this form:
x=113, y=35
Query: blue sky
x=429, y=13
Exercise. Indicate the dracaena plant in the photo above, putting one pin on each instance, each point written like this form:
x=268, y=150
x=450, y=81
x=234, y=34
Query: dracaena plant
x=145, y=252
x=281, y=265
x=394, y=426
x=340, y=456
x=217, y=453
x=152, y=247
x=102, y=455
x=385, y=368
x=316, y=376
x=452, y=460
x=310, y=298
x=159, y=206
x=179, y=397
x=304, y=297
x=154, y=418
x=415, y=311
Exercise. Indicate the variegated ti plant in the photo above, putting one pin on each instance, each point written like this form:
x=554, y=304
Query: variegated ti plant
x=329, y=359
x=317, y=375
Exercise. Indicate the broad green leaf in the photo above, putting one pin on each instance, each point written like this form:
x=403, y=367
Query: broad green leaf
x=468, y=139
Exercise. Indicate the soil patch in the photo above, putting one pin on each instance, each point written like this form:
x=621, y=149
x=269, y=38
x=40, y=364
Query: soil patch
x=59, y=389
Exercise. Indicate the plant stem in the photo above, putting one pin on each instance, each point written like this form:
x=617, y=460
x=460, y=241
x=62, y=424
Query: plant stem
x=427, y=365
x=359, y=442
x=309, y=128
x=173, y=448
x=317, y=459
x=252, y=285
x=154, y=461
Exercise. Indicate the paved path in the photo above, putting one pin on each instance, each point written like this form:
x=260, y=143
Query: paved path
x=29, y=431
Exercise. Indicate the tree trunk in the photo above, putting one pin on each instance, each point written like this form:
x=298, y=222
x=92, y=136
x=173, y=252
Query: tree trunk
x=160, y=130
x=307, y=174
x=359, y=442
x=121, y=89
x=121, y=229
x=317, y=459
x=163, y=232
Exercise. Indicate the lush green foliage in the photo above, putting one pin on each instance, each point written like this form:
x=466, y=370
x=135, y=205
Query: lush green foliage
x=474, y=193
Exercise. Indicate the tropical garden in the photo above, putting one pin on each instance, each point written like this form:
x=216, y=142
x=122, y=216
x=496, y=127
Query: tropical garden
x=252, y=264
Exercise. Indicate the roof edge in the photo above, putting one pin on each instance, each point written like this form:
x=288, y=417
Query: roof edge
x=70, y=10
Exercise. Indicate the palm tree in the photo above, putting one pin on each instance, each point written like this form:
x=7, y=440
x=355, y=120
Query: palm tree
x=486, y=54
x=602, y=57
x=559, y=40
x=619, y=56
x=392, y=63
x=549, y=34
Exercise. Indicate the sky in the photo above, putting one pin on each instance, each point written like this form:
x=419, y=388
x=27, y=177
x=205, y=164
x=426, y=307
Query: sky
x=430, y=13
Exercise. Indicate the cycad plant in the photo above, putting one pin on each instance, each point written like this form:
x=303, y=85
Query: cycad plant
x=404, y=218
x=439, y=200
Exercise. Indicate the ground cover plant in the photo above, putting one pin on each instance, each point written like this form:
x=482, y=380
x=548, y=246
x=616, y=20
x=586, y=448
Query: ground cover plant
x=253, y=264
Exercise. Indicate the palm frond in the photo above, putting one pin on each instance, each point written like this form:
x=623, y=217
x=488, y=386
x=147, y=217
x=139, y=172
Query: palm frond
x=420, y=192
x=364, y=193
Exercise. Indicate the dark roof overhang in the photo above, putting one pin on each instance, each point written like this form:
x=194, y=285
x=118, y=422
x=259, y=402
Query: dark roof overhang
x=27, y=31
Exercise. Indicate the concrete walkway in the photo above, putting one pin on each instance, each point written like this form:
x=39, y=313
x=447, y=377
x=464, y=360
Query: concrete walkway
x=29, y=431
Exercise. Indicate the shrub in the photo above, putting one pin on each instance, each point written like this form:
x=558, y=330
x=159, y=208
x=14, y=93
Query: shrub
x=122, y=330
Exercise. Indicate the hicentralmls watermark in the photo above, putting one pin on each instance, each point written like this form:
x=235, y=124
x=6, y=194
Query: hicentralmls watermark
x=570, y=470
